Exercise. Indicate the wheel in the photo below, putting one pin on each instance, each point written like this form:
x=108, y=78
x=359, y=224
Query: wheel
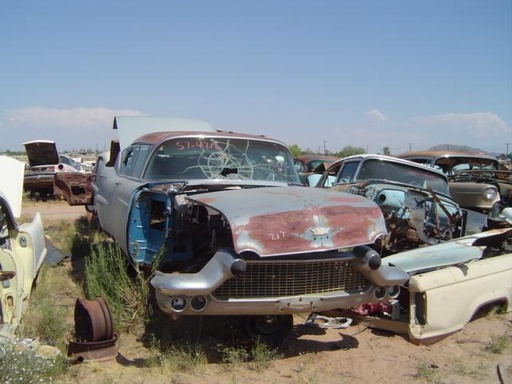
x=270, y=329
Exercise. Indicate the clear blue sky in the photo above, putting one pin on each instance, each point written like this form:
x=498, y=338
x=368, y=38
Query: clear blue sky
x=402, y=74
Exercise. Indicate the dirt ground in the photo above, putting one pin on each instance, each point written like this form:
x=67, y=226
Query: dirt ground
x=356, y=354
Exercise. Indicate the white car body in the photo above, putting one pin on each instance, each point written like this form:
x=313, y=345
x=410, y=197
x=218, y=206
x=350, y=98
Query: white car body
x=22, y=248
x=450, y=284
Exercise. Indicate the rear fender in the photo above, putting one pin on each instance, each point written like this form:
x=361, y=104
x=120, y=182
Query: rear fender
x=75, y=187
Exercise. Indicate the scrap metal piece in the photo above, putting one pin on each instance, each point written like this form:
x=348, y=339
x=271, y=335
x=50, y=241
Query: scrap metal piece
x=94, y=337
x=96, y=350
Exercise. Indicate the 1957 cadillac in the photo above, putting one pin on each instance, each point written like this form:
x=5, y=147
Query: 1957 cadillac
x=230, y=225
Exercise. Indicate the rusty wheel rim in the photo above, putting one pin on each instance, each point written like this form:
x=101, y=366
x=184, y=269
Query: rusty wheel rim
x=93, y=321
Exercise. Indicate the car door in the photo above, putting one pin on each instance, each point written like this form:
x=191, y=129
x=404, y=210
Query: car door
x=119, y=192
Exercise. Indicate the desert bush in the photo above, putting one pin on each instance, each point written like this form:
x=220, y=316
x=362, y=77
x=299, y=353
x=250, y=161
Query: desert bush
x=126, y=289
x=189, y=358
x=263, y=355
x=22, y=365
x=498, y=344
x=427, y=372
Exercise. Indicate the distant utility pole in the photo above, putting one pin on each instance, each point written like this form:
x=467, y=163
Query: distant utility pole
x=507, y=148
x=325, y=148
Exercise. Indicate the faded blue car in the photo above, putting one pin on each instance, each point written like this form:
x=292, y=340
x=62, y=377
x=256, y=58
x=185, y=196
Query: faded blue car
x=232, y=229
x=415, y=200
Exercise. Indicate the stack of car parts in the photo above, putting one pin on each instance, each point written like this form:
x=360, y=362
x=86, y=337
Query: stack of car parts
x=94, y=337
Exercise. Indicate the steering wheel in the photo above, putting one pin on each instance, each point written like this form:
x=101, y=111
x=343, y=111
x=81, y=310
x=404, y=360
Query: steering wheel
x=220, y=164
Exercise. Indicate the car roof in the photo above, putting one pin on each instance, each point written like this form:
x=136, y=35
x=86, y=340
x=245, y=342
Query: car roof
x=156, y=138
x=129, y=128
x=308, y=158
x=367, y=156
x=438, y=154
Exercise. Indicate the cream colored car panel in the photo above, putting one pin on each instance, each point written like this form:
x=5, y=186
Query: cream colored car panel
x=454, y=294
x=11, y=174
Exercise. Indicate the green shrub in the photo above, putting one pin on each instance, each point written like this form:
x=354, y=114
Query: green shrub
x=498, y=344
x=21, y=365
x=107, y=274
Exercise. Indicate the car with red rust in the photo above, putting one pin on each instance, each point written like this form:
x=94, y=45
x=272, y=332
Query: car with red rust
x=44, y=161
x=310, y=164
x=230, y=228
x=415, y=200
x=477, y=181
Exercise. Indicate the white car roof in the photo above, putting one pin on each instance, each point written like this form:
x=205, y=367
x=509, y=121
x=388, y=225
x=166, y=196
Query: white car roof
x=132, y=127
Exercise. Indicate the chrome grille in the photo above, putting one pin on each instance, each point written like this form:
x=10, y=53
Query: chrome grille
x=292, y=278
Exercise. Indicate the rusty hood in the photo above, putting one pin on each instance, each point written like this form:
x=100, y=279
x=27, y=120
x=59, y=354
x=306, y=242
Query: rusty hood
x=291, y=220
x=41, y=152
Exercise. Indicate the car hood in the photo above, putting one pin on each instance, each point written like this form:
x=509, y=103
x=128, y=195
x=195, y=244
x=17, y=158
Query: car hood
x=290, y=220
x=12, y=170
x=41, y=152
x=454, y=252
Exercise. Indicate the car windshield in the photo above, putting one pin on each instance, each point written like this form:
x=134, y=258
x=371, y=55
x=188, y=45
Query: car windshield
x=454, y=165
x=219, y=158
x=402, y=173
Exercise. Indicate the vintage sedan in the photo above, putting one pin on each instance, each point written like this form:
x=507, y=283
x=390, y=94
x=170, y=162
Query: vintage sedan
x=307, y=165
x=477, y=182
x=450, y=285
x=44, y=162
x=231, y=228
x=414, y=199
x=22, y=249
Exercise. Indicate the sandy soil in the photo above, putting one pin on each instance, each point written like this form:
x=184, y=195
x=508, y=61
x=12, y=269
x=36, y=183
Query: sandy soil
x=356, y=354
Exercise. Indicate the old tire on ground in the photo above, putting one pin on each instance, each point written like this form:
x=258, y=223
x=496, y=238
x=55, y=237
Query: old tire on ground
x=270, y=329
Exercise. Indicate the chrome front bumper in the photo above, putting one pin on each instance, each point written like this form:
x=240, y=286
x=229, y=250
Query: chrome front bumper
x=228, y=285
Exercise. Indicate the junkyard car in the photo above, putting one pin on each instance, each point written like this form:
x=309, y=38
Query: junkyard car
x=414, y=199
x=307, y=165
x=477, y=182
x=22, y=248
x=44, y=162
x=233, y=229
x=451, y=284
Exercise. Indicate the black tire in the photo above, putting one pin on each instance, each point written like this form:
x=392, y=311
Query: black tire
x=270, y=329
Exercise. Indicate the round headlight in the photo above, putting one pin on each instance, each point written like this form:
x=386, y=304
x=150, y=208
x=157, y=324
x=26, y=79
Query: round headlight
x=178, y=303
x=490, y=193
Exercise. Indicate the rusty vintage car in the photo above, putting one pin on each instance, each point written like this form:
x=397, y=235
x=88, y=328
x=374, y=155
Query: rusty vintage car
x=414, y=199
x=307, y=165
x=22, y=249
x=477, y=182
x=44, y=162
x=231, y=227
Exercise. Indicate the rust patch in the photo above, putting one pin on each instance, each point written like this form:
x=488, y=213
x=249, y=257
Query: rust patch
x=75, y=187
x=314, y=229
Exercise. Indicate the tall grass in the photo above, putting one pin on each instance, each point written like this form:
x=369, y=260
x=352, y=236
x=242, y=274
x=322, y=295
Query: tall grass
x=43, y=317
x=126, y=289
